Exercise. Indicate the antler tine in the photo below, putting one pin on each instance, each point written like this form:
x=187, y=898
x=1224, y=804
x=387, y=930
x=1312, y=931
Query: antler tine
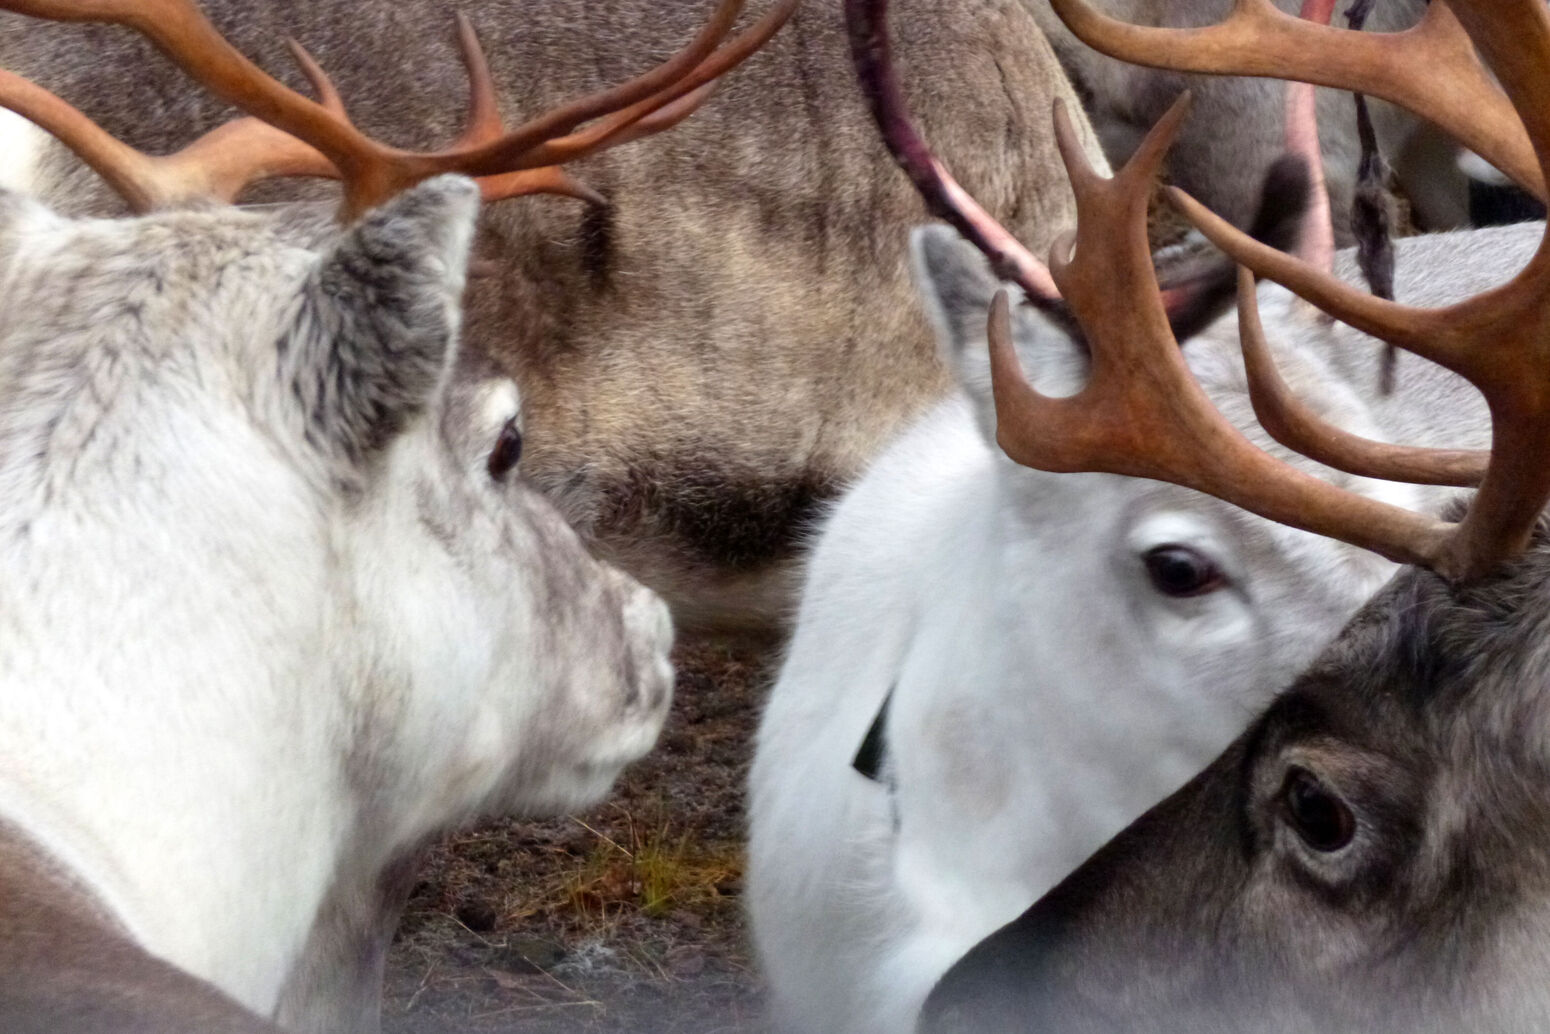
x=1142, y=414
x=1405, y=68
x=1498, y=340
x=485, y=125
x=866, y=22
x=1160, y=425
x=535, y=167
x=1115, y=422
x=185, y=35
x=484, y=112
x=218, y=165
x=497, y=156
x=697, y=84
x=1289, y=421
x=551, y=179
x=372, y=171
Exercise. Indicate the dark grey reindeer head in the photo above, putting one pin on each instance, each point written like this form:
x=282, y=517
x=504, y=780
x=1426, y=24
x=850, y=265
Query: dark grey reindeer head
x=1369, y=856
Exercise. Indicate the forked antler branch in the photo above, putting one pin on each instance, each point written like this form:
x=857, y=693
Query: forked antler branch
x=1142, y=414
x=290, y=134
x=1498, y=340
x=1431, y=69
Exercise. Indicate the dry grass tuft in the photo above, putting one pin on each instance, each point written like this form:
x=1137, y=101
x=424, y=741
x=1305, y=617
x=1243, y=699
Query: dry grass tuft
x=626, y=918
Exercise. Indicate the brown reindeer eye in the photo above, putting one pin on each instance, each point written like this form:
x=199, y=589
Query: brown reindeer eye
x=507, y=451
x=1181, y=571
x=1320, y=818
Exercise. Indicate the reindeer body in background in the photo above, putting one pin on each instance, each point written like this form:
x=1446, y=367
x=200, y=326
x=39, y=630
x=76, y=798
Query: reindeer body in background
x=713, y=354
x=1235, y=135
x=1369, y=855
x=1045, y=655
x=276, y=606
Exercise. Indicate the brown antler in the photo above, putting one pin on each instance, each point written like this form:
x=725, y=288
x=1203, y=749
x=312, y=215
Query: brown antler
x=1431, y=69
x=1499, y=340
x=1141, y=413
x=866, y=22
x=1289, y=421
x=519, y=161
x=219, y=165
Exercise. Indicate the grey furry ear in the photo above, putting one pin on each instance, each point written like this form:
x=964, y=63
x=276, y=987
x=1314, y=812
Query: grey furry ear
x=377, y=328
x=956, y=285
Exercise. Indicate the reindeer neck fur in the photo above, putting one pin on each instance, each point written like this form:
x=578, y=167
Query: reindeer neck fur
x=226, y=797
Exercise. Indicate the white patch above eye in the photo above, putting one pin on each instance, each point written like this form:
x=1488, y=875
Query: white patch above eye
x=21, y=148
x=500, y=403
x=1175, y=527
x=1181, y=527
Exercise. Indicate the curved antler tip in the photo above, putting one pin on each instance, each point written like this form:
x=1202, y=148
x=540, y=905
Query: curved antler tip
x=1007, y=378
x=1000, y=305
x=1186, y=205
x=1061, y=254
x=1079, y=169
x=1148, y=160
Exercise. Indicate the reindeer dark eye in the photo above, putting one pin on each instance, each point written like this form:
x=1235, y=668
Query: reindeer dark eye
x=1181, y=571
x=507, y=451
x=1319, y=817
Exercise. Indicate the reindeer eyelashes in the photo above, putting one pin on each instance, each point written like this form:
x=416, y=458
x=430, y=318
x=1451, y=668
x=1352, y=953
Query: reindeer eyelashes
x=507, y=452
x=1180, y=571
x=1320, y=818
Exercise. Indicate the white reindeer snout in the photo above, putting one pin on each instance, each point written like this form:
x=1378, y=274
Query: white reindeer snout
x=646, y=682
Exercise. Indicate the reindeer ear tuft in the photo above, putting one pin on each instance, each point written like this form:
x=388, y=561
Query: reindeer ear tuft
x=378, y=324
x=957, y=286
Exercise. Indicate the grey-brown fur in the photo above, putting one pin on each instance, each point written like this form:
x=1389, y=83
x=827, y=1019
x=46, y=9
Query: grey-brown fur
x=1237, y=127
x=67, y=968
x=1427, y=717
x=706, y=360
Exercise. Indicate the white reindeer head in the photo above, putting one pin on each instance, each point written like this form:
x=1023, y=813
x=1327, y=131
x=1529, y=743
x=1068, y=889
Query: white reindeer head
x=269, y=566
x=276, y=605
x=1125, y=579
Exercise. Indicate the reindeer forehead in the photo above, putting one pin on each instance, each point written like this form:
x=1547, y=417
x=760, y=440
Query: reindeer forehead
x=121, y=315
x=190, y=249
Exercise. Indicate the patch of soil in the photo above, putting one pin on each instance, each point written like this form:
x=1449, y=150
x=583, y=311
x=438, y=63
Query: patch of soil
x=625, y=918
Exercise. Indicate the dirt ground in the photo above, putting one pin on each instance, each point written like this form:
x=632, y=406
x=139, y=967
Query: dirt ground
x=625, y=918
